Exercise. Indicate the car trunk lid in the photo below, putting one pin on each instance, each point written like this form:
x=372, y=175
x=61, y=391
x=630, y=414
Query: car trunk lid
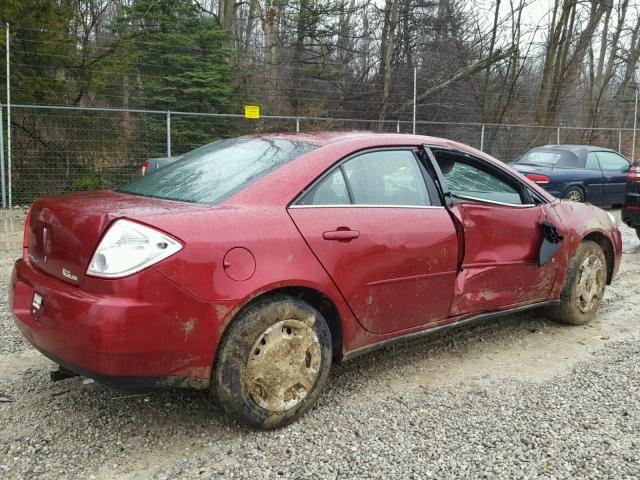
x=64, y=232
x=526, y=168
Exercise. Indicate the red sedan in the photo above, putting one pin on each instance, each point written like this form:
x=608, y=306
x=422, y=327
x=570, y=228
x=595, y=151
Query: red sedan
x=251, y=264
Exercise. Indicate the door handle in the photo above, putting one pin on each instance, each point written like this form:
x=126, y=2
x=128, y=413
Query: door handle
x=341, y=235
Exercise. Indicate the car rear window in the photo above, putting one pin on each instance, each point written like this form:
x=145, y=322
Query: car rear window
x=214, y=172
x=552, y=158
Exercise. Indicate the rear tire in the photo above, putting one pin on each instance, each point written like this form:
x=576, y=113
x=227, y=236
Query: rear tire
x=584, y=286
x=273, y=362
x=575, y=194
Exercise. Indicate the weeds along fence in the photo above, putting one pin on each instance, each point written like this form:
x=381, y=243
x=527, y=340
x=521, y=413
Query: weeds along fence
x=51, y=150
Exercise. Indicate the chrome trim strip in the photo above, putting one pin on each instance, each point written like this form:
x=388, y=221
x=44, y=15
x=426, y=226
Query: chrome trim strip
x=411, y=278
x=493, y=202
x=367, y=206
x=429, y=330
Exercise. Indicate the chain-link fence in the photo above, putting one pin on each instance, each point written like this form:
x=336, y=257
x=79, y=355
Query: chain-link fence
x=65, y=149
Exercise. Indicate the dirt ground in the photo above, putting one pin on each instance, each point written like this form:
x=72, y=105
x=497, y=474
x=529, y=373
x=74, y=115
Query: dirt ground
x=79, y=429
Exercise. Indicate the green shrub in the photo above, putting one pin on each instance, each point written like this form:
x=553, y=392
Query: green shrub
x=85, y=184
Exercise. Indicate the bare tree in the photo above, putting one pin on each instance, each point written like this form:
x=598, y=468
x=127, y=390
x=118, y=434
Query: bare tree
x=566, y=48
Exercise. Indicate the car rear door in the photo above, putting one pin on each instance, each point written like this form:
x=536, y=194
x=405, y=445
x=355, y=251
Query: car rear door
x=376, y=223
x=501, y=235
x=614, y=170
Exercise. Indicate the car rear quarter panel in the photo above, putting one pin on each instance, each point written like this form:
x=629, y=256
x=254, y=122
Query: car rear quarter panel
x=280, y=255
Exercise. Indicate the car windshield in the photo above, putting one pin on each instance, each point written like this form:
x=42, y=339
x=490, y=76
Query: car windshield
x=214, y=172
x=551, y=158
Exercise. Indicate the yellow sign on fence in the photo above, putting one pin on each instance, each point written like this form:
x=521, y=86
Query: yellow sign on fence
x=252, y=111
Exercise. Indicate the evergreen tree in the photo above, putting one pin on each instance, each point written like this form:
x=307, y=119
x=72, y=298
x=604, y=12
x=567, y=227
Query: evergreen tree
x=181, y=64
x=40, y=49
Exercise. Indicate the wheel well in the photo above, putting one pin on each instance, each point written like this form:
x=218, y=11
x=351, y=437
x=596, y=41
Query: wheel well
x=579, y=187
x=607, y=248
x=320, y=302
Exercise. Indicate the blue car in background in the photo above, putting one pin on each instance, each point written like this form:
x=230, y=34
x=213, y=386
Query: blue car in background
x=577, y=172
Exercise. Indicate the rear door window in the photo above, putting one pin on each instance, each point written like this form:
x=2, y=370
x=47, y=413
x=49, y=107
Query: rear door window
x=391, y=177
x=388, y=177
x=332, y=190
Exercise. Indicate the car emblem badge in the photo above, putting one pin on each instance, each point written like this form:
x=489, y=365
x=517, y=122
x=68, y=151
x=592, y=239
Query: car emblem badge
x=67, y=274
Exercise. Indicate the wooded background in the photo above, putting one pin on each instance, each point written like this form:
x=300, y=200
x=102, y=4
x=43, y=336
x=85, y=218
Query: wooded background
x=496, y=62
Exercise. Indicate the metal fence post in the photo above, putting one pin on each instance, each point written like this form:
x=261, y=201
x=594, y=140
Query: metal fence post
x=398, y=126
x=298, y=125
x=635, y=123
x=8, y=118
x=2, y=180
x=168, y=134
x=620, y=140
x=482, y=138
x=558, y=136
x=415, y=90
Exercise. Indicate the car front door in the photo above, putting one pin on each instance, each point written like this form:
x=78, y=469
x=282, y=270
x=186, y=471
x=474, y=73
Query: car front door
x=502, y=235
x=614, y=170
x=376, y=223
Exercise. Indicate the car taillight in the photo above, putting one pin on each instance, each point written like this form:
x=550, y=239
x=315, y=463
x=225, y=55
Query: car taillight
x=536, y=177
x=634, y=172
x=129, y=247
x=145, y=165
x=25, y=235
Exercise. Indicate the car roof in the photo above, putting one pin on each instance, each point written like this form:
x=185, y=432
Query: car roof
x=322, y=138
x=315, y=138
x=579, y=151
x=576, y=148
x=332, y=146
x=358, y=139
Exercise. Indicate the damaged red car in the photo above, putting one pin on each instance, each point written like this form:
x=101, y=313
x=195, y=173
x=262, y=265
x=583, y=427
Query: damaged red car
x=252, y=264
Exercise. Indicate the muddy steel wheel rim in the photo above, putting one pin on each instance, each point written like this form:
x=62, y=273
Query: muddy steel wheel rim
x=283, y=365
x=574, y=196
x=590, y=285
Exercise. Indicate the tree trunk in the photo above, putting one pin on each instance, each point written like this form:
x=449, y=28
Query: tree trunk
x=387, y=48
x=563, y=59
x=487, y=73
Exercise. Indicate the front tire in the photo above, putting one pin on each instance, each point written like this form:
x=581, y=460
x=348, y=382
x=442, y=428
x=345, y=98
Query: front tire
x=575, y=194
x=584, y=286
x=273, y=362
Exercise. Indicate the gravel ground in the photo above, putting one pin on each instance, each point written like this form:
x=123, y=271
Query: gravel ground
x=518, y=397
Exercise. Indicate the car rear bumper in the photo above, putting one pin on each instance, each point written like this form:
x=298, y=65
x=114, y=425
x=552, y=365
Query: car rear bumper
x=631, y=209
x=150, y=336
